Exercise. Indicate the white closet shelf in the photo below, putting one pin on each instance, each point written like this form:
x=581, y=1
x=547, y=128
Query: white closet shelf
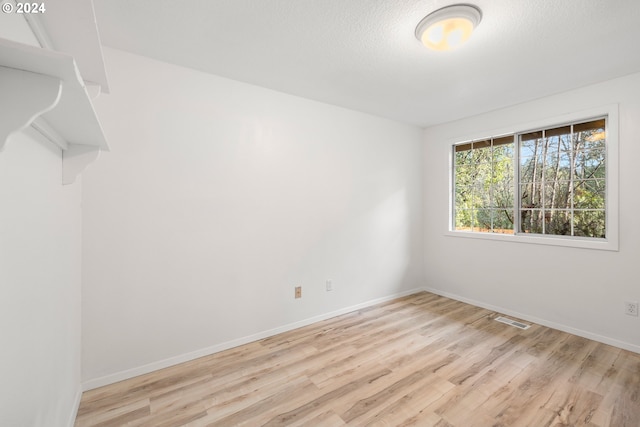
x=44, y=89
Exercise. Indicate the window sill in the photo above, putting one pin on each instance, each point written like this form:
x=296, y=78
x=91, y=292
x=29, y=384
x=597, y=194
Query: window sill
x=571, y=242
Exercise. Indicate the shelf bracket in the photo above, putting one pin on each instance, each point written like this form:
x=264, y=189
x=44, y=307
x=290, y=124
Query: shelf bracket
x=44, y=89
x=24, y=96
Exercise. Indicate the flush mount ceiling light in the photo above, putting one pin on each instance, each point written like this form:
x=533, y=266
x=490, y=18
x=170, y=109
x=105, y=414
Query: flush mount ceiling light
x=449, y=27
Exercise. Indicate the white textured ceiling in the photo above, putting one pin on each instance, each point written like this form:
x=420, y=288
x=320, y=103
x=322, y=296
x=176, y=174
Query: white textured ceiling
x=362, y=54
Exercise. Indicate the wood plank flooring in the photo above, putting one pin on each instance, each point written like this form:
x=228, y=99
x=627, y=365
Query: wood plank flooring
x=421, y=360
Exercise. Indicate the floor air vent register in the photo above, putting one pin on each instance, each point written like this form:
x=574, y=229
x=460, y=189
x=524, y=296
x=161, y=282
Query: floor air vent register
x=512, y=322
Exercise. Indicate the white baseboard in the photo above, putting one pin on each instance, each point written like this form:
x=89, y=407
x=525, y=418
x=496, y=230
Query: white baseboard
x=161, y=364
x=564, y=328
x=76, y=406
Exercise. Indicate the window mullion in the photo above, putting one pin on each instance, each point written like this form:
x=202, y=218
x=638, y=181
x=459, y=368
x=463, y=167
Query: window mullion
x=491, y=200
x=572, y=182
x=517, y=203
x=543, y=211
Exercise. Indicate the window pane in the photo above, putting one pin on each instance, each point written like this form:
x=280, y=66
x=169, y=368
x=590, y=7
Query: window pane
x=531, y=196
x=562, y=130
x=594, y=125
x=464, y=197
x=589, y=224
x=593, y=140
x=590, y=164
x=531, y=135
x=503, y=221
x=530, y=147
x=530, y=169
x=558, y=166
x=503, y=196
x=589, y=140
x=557, y=195
x=531, y=221
x=464, y=175
x=483, y=179
x=589, y=194
x=550, y=146
x=461, y=148
x=503, y=166
x=482, y=151
x=464, y=219
x=463, y=154
x=503, y=151
x=482, y=194
x=503, y=140
x=483, y=221
x=565, y=143
x=562, y=180
x=557, y=222
x=503, y=171
x=482, y=174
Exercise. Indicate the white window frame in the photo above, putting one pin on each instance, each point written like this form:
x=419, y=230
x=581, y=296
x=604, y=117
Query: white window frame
x=611, y=242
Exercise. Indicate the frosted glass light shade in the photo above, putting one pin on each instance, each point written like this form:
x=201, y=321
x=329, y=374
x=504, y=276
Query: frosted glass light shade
x=449, y=27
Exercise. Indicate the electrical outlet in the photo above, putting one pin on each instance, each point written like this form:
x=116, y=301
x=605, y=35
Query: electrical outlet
x=329, y=285
x=631, y=308
x=298, y=293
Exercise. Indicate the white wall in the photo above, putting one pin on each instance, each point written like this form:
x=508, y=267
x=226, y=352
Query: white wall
x=578, y=290
x=40, y=271
x=217, y=198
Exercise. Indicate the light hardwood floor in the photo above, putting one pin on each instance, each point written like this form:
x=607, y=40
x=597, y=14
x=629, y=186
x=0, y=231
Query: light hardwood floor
x=422, y=360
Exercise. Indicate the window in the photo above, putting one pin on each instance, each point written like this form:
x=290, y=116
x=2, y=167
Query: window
x=484, y=185
x=550, y=182
x=563, y=180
